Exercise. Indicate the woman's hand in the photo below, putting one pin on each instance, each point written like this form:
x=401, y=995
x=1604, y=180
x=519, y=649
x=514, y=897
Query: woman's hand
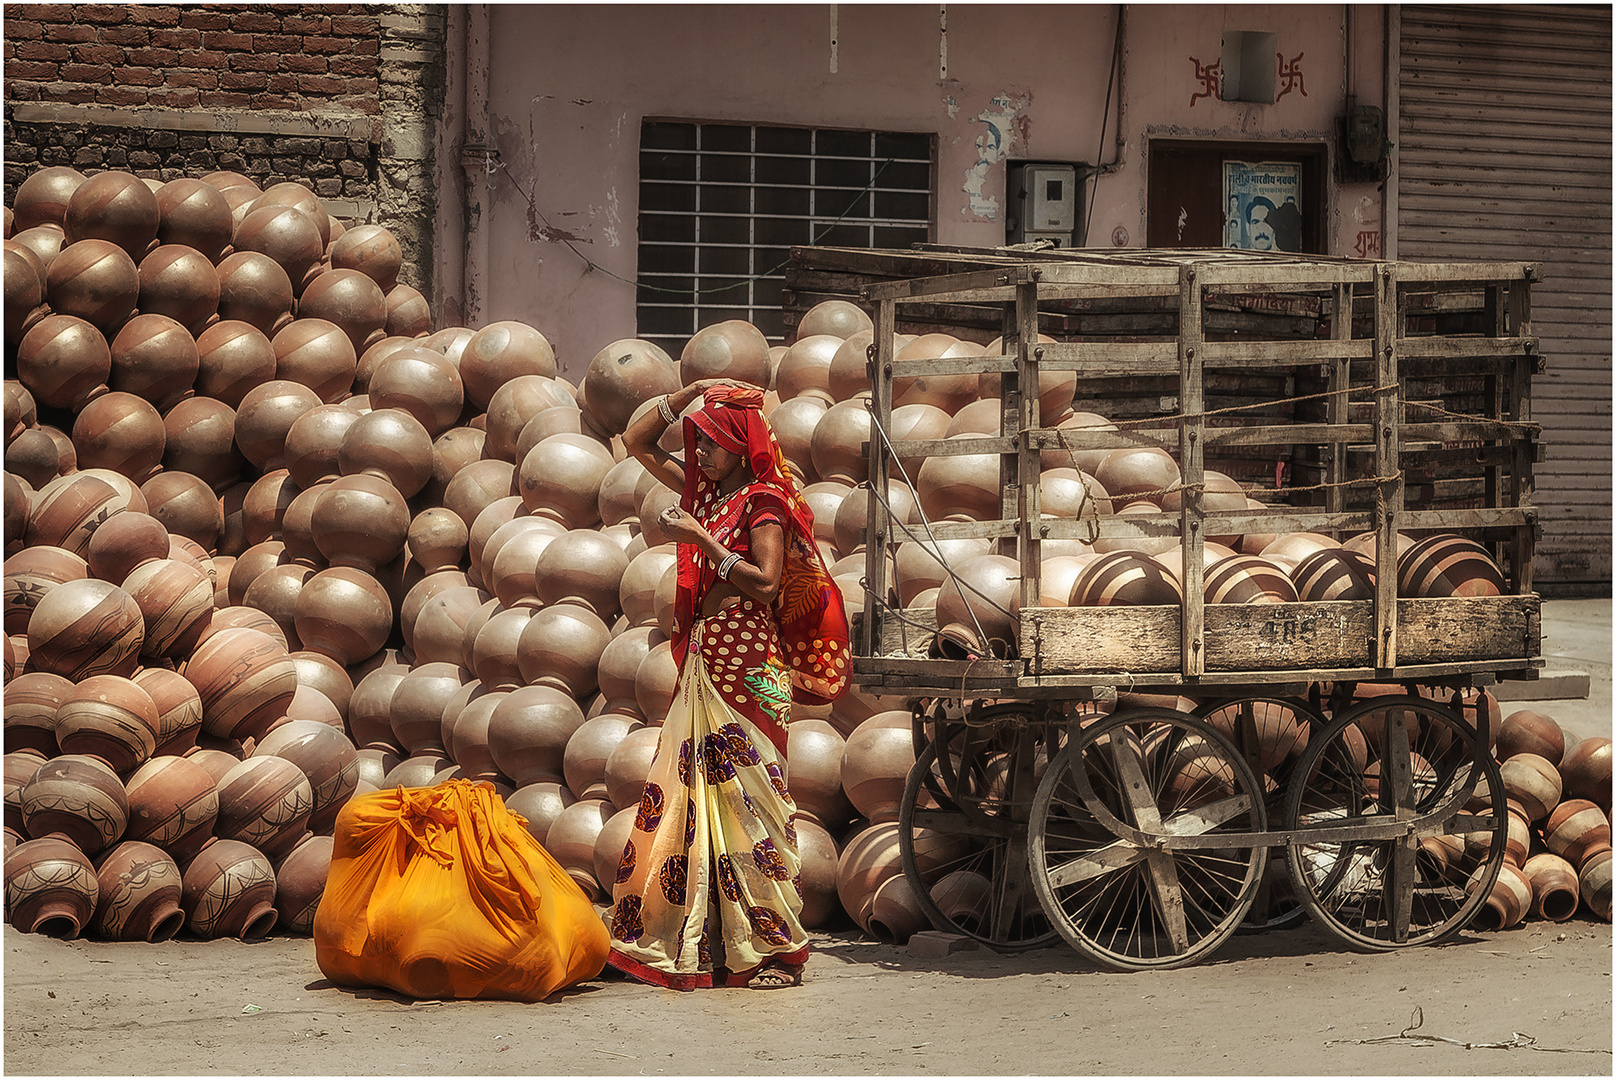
x=680, y=526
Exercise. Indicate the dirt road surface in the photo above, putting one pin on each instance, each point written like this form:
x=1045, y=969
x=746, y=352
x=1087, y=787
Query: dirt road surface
x=1285, y=1002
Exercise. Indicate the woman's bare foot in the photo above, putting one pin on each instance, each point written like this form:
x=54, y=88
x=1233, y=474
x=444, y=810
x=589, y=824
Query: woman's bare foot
x=776, y=977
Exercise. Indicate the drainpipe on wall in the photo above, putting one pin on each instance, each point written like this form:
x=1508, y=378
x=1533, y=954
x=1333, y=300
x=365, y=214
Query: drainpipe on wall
x=476, y=155
x=449, y=250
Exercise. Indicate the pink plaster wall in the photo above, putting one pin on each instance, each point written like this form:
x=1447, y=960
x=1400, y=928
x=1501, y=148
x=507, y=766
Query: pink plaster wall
x=569, y=85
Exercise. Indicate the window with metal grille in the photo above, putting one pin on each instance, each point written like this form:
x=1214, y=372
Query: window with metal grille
x=721, y=206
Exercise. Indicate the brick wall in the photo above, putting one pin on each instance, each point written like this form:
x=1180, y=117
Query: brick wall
x=277, y=92
x=292, y=57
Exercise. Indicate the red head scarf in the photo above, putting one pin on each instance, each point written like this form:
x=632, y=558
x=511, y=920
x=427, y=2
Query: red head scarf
x=813, y=624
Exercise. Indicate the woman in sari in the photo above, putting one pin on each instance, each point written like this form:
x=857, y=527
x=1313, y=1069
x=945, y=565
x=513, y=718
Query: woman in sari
x=708, y=892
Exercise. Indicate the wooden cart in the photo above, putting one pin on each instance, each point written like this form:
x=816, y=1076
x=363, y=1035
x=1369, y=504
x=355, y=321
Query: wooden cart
x=1052, y=794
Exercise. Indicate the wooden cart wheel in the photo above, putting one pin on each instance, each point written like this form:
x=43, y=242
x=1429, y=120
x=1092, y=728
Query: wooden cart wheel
x=1377, y=767
x=1113, y=894
x=964, y=846
x=1271, y=733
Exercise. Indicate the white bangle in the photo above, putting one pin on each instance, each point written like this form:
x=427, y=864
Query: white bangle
x=665, y=408
x=727, y=565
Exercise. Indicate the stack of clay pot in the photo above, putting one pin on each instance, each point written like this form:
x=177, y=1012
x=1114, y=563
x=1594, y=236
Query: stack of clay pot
x=1559, y=851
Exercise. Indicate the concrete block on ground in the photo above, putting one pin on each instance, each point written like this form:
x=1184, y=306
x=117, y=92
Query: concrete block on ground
x=1552, y=684
x=938, y=945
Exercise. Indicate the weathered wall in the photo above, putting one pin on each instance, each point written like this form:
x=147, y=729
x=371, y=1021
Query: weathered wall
x=567, y=88
x=277, y=92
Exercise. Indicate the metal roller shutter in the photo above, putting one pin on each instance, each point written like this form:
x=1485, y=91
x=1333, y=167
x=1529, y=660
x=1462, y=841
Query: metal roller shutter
x=1504, y=152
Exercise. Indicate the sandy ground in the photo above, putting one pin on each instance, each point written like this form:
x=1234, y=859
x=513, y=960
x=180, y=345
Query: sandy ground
x=1531, y=1001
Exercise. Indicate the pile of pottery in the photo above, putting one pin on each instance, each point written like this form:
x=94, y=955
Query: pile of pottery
x=1558, y=855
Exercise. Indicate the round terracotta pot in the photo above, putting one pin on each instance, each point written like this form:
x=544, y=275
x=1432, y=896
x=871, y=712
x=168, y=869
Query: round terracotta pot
x=140, y=887
x=1448, y=565
x=560, y=646
x=76, y=798
x=193, y=213
x=528, y=732
x=173, y=804
x=951, y=393
x=408, y=313
x=1586, y=772
x=228, y=890
x=733, y=349
x=423, y=590
x=265, y=802
x=43, y=196
x=179, y=708
x=416, y=771
x=440, y=626
x=33, y=572
x=895, y=912
x=589, y=747
x=415, y=704
x=656, y=682
x=64, y=361
x=1594, y=883
x=265, y=416
x=538, y=805
x=817, y=851
x=618, y=669
x=84, y=628
x=436, y=540
x=621, y=377
x=628, y=765
x=51, y=888
x=114, y=206
x=93, y=280
x=111, y=718
x=511, y=557
x=31, y=701
x=255, y=291
x=155, y=358
x=495, y=652
x=345, y=614
x=1554, y=887
x=300, y=883
x=560, y=478
x=961, y=487
x=361, y=522
x=974, y=619
x=869, y=859
x=245, y=680
x=349, y=300
x=1527, y=732
x=327, y=758
x=372, y=250
x=875, y=764
x=815, y=749
x=67, y=512
x=178, y=283
x=175, y=601
x=421, y=381
x=571, y=841
x=1533, y=782
x=477, y=486
x=391, y=444
x=200, y=439
x=584, y=568
x=1575, y=829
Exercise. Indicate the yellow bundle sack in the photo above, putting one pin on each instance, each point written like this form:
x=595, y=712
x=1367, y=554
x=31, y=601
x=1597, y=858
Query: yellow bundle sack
x=441, y=892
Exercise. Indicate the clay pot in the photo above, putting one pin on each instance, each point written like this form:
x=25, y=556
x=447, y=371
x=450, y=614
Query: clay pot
x=1594, y=883
x=1280, y=733
x=228, y=890
x=288, y=235
x=245, y=680
x=974, y=620
x=582, y=567
x=343, y=613
x=895, y=912
x=489, y=522
x=300, y=883
x=805, y=368
x=1138, y=472
x=513, y=405
x=64, y=361
x=85, y=628
x=528, y=731
x=1334, y=574
x=374, y=765
x=1055, y=388
x=20, y=766
x=120, y=432
x=349, y=300
x=734, y=350
x=114, y=206
x=628, y=765
x=327, y=758
x=264, y=418
x=312, y=444
x=849, y=366
x=436, y=540
x=1554, y=887
x=233, y=358
x=1245, y=579
x=315, y=353
x=560, y=478
x=1518, y=840
x=373, y=251
x=1448, y=565
x=623, y=376
x=656, y=682
x=618, y=500
x=837, y=446
x=619, y=666
x=571, y=841
x=391, y=444
x=1534, y=783
x=194, y=214
x=869, y=859
x=852, y=517
x=416, y=771
x=174, y=804
x=1528, y=732
x=636, y=592
x=500, y=352
x=408, y=313
x=1575, y=829
x=139, y=894
x=1586, y=772
x=51, y=888
x=794, y=424
x=538, y=805
x=815, y=749
x=179, y=284
x=265, y=802
x=590, y=746
x=560, y=646
x=33, y=458
x=423, y=383
x=175, y=601
x=477, y=486
x=1509, y=901
x=361, y=522
x=31, y=701
x=256, y=291
x=76, y=798
x=1126, y=577
x=44, y=195
x=275, y=593
x=179, y=708
x=24, y=291
x=609, y=848
x=199, y=438
x=495, y=650
x=442, y=623
x=108, y=717
x=960, y=487
x=156, y=359
x=875, y=764
x=416, y=704
x=32, y=573
x=920, y=563
x=93, y=280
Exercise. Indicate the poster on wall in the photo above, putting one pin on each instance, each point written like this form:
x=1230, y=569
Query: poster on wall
x=1264, y=201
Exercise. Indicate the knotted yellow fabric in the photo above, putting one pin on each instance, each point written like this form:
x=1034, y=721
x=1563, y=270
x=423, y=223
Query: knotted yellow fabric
x=441, y=892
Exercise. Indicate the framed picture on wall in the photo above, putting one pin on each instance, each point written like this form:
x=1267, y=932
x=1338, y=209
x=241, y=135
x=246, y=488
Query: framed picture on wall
x=1263, y=205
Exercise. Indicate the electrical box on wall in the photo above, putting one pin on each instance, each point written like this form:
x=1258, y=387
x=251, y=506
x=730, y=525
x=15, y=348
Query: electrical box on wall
x=1044, y=202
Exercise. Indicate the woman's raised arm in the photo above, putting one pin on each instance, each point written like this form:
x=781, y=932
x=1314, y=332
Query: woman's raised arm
x=640, y=439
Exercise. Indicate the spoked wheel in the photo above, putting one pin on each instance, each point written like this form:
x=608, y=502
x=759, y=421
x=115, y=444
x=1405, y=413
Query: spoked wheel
x=963, y=838
x=1380, y=769
x=1113, y=893
x=1271, y=733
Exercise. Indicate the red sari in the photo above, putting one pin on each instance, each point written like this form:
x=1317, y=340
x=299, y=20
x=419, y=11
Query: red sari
x=708, y=890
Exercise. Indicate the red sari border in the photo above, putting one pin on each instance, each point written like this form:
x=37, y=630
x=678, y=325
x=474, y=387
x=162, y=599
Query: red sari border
x=699, y=980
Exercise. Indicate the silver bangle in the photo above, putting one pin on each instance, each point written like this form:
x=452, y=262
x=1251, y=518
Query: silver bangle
x=727, y=565
x=665, y=408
